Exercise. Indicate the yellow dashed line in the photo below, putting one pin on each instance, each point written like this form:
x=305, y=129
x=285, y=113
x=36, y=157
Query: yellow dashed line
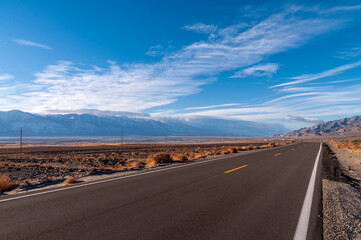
x=277, y=154
x=292, y=149
x=235, y=169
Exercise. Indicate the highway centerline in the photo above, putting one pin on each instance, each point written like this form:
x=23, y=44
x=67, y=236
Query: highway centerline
x=134, y=175
x=234, y=169
x=277, y=154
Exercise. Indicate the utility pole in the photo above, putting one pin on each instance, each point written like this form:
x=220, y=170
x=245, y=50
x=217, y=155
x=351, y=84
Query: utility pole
x=21, y=140
x=121, y=140
x=166, y=139
x=200, y=138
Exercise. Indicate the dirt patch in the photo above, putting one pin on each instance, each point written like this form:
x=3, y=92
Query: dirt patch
x=341, y=196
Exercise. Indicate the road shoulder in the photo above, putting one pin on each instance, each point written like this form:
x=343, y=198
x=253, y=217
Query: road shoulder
x=341, y=194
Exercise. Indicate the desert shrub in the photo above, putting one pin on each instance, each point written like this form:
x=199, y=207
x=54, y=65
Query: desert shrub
x=351, y=145
x=272, y=145
x=199, y=155
x=225, y=152
x=134, y=164
x=6, y=183
x=180, y=157
x=158, y=158
x=246, y=148
x=69, y=180
x=232, y=150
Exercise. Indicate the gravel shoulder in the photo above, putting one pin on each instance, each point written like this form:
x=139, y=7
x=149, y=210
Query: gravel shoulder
x=341, y=193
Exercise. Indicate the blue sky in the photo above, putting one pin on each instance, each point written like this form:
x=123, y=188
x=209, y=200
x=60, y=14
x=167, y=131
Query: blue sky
x=295, y=63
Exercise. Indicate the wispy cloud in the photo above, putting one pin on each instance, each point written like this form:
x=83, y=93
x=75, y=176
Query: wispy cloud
x=4, y=77
x=328, y=73
x=129, y=88
x=212, y=106
x=30, y=43
x=301, y=119
x=344, y=8
x=67, y=86
x=201, y=28
x=159, y=50
x=349, y=53
x=258, y=70
x=310, y=105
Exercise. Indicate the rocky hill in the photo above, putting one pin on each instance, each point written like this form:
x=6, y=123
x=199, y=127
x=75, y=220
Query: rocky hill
x=342, y=127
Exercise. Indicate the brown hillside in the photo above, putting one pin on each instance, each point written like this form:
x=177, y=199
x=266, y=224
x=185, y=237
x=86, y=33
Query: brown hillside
x=342, y=127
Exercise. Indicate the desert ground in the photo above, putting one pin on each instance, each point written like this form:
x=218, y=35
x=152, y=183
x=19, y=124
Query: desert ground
x=40, y=166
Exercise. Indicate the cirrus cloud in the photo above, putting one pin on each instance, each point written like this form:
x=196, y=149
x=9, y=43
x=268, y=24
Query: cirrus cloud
x=33, y=44
x=68, y=86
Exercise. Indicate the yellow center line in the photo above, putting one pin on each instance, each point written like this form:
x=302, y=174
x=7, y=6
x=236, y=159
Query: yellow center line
x=277, y=154
x=292, y=149
x=234, y=169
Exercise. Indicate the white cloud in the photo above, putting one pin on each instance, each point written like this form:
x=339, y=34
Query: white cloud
x=212, y=106
x=30, y=43
x=100, y=113
x=344, y=8
x=301, y=119
x=258, y=70
x=328, y=73
x=6, y=77
x=349, y=53
x=157, y=50
x=67, y=86
x=201, y=28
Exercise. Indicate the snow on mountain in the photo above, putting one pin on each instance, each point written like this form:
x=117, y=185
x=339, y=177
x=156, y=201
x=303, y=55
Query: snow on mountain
x=129, y=123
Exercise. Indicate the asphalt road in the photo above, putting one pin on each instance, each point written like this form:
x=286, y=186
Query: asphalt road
x=257, y=195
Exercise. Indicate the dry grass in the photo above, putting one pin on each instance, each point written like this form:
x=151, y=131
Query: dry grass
x=158, y=158
x=134, y=164
x=69, y=180
x=350, y=145
x=199, y=155
x=42, y=164
x=6, y=183
x=232, y=150
x=180, y=157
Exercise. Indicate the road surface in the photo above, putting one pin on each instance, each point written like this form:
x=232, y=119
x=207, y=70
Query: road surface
x=256, y=195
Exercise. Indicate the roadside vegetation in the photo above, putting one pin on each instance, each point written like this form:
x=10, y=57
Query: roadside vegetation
x=6, y=183
x=65, y=165
x=351, y=145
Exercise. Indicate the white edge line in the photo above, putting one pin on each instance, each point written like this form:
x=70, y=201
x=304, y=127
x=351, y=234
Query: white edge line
x=134, y=175
x=303, y=221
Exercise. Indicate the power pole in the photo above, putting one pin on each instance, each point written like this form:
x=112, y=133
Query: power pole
x=166, y=139
x=200, y=138
x=21, y=140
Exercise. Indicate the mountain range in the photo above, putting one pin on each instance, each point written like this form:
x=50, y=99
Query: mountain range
x=54, y=125
x=343, y=127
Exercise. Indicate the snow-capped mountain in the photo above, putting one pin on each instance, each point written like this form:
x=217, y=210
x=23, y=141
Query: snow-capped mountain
x=130, y=124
